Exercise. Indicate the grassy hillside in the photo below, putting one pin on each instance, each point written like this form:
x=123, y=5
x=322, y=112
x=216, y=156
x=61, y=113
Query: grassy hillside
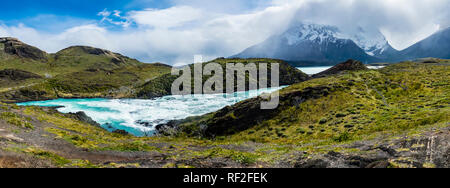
x=86, y=72
x=77, y=71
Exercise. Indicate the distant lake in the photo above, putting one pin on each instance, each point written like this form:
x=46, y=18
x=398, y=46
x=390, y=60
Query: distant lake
x=315, y=70
x=139, y=117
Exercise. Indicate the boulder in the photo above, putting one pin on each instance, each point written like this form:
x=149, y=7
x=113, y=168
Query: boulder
x=81, y=116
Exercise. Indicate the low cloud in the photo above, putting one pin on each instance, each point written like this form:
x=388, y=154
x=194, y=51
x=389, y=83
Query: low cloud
x=174, y=35
x=166, y=18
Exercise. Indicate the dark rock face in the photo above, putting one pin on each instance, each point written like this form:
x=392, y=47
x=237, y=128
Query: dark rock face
x=16, y=75
x=86, y=50
x=116, y=58
x=24, y=95
x=349, y=65
x=81, y=116
x=15, y=47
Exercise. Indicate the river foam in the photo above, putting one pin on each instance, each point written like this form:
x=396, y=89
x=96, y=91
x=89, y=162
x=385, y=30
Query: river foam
x=139, y=117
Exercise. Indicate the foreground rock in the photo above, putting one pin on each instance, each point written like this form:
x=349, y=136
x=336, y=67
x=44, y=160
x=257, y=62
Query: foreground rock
x=430, y=150
x=81, y=116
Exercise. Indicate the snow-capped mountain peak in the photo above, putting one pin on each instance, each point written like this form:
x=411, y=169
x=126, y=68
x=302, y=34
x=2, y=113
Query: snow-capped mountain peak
x=314, y=44
x=371, y=41
x=312, y=32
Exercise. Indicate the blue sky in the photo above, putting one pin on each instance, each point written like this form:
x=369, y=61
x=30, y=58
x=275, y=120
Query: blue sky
x=173, y=31
x=57, y=15
x=87, y=9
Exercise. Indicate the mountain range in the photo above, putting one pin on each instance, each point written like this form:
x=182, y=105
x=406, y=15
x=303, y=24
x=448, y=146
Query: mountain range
x=437, y=45
x=315, y=44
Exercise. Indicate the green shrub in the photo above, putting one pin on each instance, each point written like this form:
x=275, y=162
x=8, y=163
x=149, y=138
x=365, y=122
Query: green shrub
x=16, y=120
x=244, y=158
x=132, y=146
x=341, y=115
x=323, y=121
x=343, y=137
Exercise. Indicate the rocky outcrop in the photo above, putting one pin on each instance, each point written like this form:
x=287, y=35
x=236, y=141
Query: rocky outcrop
x=81, y=116
x=116, y=58
x=430, y=150
x=16, y=75
x=26, y=94
x=17, y=48
x=349, y=65
x=84, y=50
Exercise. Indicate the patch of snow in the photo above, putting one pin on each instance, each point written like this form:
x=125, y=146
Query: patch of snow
x=311, y=32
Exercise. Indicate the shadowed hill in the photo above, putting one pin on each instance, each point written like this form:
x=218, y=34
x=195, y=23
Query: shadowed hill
x=90, y=54
x=349, y=65
x=77, y=71
x=437, y=46
x=15, y=48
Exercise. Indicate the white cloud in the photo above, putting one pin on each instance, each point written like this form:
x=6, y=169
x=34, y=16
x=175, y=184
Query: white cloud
x=117, y=13
x=106, y=17
x=175, y=34
x=105, y=13
x=166, y=18
x=3, y=32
